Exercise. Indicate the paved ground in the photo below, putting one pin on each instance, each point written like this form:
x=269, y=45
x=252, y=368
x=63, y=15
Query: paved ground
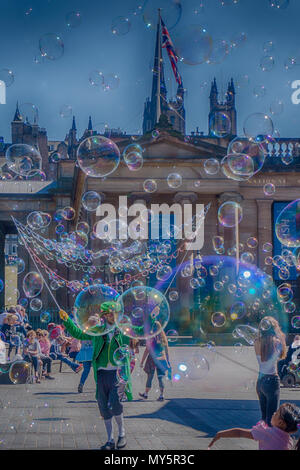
x=52, y=415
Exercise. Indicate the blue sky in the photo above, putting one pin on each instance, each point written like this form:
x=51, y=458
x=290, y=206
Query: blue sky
x=92, y=46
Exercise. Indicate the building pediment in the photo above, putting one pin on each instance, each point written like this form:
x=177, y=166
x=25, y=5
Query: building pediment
x=168, y=146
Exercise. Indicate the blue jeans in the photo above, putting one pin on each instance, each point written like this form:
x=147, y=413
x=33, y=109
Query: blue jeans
x=60, y=357
x=268, y=391
x=86, y=370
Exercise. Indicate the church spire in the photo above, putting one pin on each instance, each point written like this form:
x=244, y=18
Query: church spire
x=17, y=116
x=90, y=126
x=158, y=97
x=73, y=124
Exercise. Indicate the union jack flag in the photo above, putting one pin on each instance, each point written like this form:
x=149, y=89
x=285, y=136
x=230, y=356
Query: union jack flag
x=167, y=44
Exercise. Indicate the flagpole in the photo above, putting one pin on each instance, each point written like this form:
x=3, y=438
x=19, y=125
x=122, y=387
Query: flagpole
x=158, y=109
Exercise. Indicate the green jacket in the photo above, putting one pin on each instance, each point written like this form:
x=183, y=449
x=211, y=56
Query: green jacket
x=103, y=350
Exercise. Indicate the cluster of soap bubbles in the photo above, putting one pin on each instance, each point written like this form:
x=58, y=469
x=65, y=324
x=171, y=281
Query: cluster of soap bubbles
x=107, y=81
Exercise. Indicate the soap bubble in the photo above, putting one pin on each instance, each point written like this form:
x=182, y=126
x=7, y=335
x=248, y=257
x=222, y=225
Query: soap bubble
x=238, y=311
x=36, y=304
x=220, y=124
x=20, y=263
x=194, y=45
x=230, y=213
x=172, y=12
x=134, y=161
x=172, y=336
x=287, y=228
x=174, y=180
x=98, y=156
x=22, y=158
x=51, y=46
x=249, y=155
x=73, y=19
x=91, y=200
x=218, y=319
x=155, y=308
x=121, y=355
x=240, y=164
x=268, y=47
x=252, y=242
x=19, y=372
x=259, y=91
x=276, y=107
x=111, y=82
x=267, y=247
x=247, y=332
x=96, y=78
x=45, y=317
x=120, y=26
x=258, y=127
x=150, y=186
x=279, y=4
x=88, y=309
x=65, y=111
x=173, y=295
x=211, y=166
x=219, y=52
x=32, y=284
x=295, y=321
x=68, y=213
x=266, y=63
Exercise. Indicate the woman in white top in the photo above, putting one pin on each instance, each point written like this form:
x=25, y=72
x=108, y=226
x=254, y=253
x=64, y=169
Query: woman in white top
x=270, y=346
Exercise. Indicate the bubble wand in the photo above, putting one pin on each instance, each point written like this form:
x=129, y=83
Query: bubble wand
x=32, y=258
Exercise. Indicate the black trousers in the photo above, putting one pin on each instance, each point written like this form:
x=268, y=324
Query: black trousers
x=107, y=394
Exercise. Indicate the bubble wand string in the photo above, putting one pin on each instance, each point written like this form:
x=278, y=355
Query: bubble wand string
x=32, y=258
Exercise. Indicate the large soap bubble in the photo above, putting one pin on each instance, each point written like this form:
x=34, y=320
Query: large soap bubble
x=22, y=158
x=19, y=372
x=230, y=214
x=172, y=10
x=143, y=313
x=287, y=227
x=32, y=284
x=51, y=46
x=98, y=156
x=194, y=45
x=87, y=311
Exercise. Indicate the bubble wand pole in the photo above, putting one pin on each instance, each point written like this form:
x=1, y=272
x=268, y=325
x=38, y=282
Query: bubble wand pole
x=23, y=239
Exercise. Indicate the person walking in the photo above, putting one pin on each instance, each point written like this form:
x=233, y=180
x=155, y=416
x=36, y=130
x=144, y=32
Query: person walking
x=156, y=355
x=85, y=357
x=106, y=371
x=270, y=346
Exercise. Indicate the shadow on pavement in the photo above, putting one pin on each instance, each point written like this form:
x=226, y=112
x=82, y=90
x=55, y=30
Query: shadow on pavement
x=195, y=413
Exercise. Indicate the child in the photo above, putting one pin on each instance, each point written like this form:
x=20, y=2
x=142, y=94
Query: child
x=14, y=333
x=278, y=437
x=32, y=353
x=42, y=336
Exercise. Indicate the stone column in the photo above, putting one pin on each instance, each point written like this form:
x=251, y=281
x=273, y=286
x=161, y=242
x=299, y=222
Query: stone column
x=228, y=233
x=264, y=231
x=186, y=293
